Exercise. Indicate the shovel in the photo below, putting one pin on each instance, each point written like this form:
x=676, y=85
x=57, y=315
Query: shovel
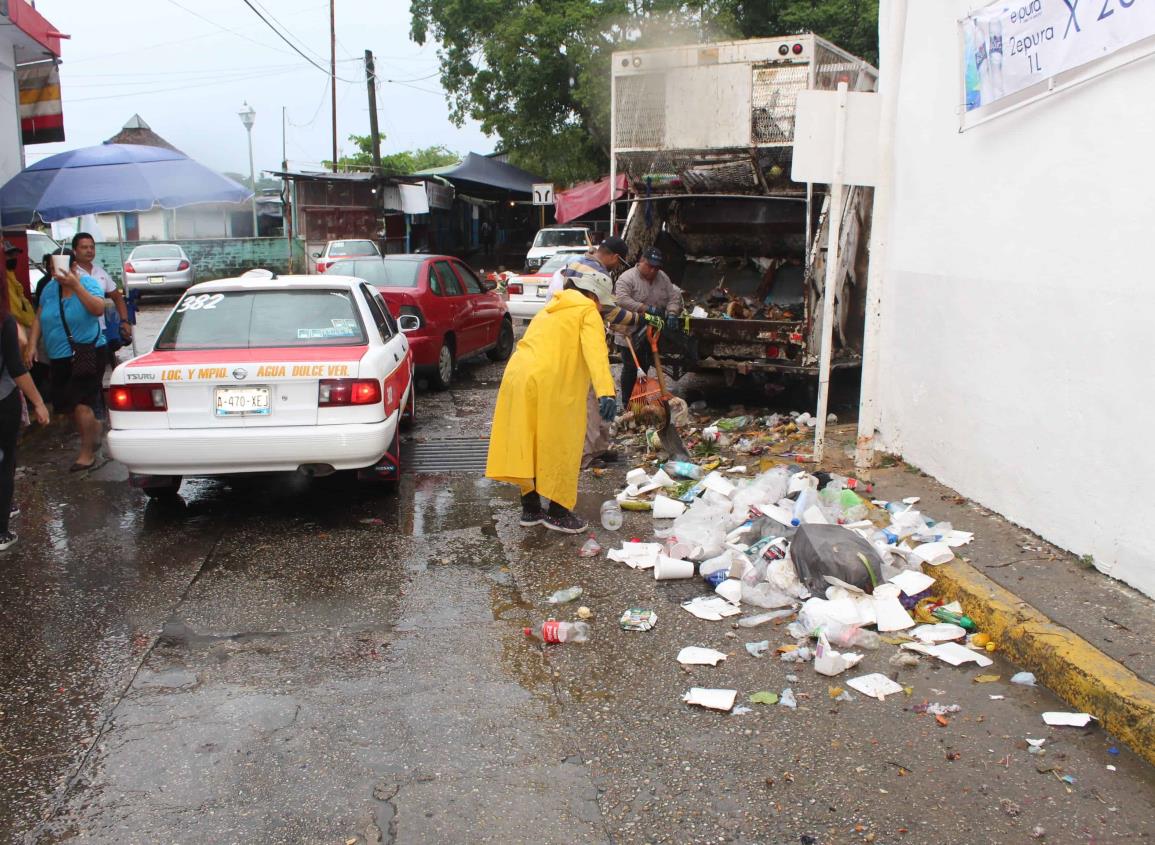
x=667, y=431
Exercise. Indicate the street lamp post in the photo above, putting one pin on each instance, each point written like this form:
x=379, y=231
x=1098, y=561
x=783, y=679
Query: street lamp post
x=248, y=116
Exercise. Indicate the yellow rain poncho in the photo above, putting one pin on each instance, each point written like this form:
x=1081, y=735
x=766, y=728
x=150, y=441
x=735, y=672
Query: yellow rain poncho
x=539, y=423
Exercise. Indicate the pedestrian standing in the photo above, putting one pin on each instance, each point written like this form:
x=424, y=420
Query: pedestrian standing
x=84, y=251
x=70, y=309
x=14, y=380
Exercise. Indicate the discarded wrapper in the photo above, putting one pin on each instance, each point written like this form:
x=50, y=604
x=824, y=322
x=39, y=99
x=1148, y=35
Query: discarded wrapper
x=638, y=619
x=875, y=685
x=933, y=554
x=693, y=655
x=829, y=662
x=939, y=633
x=637, y=555
x=955, y=654
x=730, y=590
x=1068, y=720
x=714, y=699
x=711, y=608
x=912, y=583
x=637, y=477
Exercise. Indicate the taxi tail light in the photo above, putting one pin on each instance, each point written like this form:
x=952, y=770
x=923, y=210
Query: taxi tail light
x=128, y=268
x=335, y=392
x=515, y=288
x=184, y=265
x=413, y=311
x=137, y=397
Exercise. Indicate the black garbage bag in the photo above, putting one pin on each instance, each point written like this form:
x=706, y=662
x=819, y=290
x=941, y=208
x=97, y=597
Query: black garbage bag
x=821, y=550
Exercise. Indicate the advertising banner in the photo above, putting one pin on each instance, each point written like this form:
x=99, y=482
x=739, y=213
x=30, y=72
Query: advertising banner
x=1009, y=46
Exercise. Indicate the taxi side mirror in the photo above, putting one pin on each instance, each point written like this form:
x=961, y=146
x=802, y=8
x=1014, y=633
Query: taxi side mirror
x=408, y=323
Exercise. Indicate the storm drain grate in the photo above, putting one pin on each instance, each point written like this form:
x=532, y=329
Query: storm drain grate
x=451, y=455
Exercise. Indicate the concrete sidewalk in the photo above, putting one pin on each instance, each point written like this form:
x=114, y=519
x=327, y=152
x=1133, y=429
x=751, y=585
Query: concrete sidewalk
x=1087, y=637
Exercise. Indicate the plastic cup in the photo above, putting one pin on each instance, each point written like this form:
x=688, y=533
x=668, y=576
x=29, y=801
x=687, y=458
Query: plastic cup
x=637, y=477
x=61, y=263
x=668, y=568
x=667, y=508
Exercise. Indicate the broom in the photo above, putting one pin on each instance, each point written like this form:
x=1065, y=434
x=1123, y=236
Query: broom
x=645, y=402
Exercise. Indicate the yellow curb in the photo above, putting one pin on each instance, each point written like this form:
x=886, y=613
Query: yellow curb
x=1072, y=668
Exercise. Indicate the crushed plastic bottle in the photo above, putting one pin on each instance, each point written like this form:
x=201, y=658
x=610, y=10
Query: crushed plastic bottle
x=566, y=595
x=591, y=548
x=964, y=622
x=787, y=698
x=552, y=631
x=611, y=515
x=683, y=469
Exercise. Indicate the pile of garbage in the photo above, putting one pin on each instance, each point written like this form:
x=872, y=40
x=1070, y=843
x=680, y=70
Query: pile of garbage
x=809, y=549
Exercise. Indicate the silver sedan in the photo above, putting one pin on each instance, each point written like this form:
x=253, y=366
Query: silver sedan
x=158, y=268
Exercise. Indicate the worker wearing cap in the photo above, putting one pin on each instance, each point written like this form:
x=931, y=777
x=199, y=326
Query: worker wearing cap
x=540, y=418
x=644, y=289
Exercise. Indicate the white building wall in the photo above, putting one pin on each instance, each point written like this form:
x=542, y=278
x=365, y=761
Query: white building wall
x=1019, y=299
x=11, y=145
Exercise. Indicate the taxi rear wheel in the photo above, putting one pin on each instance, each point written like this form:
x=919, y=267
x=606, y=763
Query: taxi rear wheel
x=163, y=489
x=409, y=415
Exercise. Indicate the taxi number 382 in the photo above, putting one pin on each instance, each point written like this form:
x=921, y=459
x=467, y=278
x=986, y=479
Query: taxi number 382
x=203, y=302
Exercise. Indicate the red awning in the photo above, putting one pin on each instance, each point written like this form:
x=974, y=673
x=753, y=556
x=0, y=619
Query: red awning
x=585, y=197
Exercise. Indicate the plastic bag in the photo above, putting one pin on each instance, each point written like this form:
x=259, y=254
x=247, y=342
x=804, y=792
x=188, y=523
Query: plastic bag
x=821, y=550
x=703, y=527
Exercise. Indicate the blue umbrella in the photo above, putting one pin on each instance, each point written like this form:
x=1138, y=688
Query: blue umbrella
x=110, y=178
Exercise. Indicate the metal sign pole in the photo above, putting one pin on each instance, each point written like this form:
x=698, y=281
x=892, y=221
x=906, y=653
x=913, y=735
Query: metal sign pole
x=834, y=234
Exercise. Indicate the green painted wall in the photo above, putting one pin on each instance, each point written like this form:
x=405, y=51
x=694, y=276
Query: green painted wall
x=218, y=258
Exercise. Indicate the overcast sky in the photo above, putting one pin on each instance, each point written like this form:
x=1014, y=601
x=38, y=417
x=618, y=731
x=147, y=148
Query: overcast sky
x=186, y=66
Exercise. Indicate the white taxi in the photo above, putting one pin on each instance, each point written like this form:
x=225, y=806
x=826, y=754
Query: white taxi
x=254, y=375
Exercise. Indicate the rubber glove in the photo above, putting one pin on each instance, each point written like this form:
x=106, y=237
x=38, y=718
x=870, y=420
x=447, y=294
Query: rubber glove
x=654, y=320
x=607, y=408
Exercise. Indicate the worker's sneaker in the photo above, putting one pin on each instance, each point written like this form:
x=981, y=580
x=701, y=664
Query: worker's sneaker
x=609, y=456
x=7, y=540
x=568, y=523
x=530, y=518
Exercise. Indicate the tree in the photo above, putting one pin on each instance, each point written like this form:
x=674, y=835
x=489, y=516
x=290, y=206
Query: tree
x=536, y=74
x=402, y=163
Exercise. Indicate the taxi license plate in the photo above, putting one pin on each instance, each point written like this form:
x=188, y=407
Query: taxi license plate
x=542, y=292
x=235, y=401
x=156, y=280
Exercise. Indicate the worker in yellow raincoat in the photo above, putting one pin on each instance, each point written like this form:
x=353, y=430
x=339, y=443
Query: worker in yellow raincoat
x=539, y=423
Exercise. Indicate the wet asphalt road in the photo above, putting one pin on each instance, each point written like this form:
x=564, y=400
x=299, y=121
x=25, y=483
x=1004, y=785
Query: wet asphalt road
x=281, y=661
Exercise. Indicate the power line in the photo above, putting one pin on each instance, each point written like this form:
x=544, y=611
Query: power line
x=223, y=28
x=286, y=29
x=265, y=75
x=296, y=49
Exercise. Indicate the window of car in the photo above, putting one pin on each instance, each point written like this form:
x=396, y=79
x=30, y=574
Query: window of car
x=249, y=319
x=157, y=251
x=448, y=278
x=561, y=237
x=376, y=310
x=384, y=306
x=557, y=262
x=337, y=248
x=384, y=273
x=472, y=284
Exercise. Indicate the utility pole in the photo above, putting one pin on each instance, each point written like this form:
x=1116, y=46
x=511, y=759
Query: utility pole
x=333, y=72
x=286, y=206
x=374, y=132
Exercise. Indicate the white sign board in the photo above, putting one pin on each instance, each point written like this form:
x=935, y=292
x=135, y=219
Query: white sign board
x=814, y=138
x=543, y=193
x=1009, y=46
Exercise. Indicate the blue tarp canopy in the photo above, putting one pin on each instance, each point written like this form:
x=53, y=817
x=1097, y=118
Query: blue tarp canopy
x=111, y=178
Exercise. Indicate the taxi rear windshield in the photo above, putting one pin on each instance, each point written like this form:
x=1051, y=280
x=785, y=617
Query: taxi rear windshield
x=251, y=318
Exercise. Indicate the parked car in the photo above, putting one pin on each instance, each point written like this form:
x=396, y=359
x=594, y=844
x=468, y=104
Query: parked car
x=527, y=293
x=459, y=315
x=158, y=268
x=39, y=245
x=339, y=250
x=550, y=240
x=298, y=373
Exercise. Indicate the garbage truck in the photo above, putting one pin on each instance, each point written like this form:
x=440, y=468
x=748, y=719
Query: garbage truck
x=705, y=135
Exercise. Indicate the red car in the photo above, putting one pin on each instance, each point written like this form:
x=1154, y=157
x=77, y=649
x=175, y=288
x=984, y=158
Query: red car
x=460, y=315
